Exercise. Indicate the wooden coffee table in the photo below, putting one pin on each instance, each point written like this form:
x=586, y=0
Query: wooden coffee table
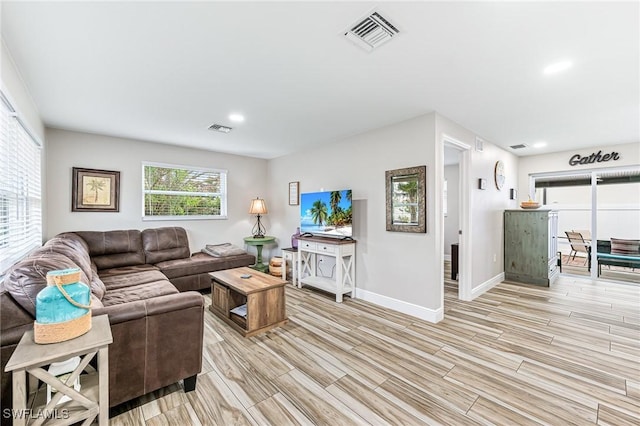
x=262, y=294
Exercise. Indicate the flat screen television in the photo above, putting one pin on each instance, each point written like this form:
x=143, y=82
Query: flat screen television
x=327, y=213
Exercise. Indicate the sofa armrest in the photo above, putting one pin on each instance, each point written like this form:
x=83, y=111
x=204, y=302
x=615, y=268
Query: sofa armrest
x=156, y=342
x=130, y=311
x=122, y=312
x=174, y=302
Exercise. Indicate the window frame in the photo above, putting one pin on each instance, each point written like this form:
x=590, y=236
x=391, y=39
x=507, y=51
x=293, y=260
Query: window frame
x=22, y=201
x=222, y=194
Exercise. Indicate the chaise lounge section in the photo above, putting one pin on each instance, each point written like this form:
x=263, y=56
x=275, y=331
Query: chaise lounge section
x=143, y=282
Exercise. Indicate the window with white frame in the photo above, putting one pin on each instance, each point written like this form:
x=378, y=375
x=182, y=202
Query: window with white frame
x=183, y=192
x=20, y=194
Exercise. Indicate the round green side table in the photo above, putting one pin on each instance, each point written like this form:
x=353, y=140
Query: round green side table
x=258, y=243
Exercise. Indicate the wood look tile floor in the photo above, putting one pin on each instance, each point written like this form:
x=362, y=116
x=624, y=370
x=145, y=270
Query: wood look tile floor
x=517, y=355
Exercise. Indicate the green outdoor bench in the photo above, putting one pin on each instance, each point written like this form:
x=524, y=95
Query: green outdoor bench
x=605, y=257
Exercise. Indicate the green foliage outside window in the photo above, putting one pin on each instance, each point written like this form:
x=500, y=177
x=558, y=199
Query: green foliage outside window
x=175, y=191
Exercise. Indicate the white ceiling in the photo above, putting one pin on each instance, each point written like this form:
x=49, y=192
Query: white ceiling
x=165, y=71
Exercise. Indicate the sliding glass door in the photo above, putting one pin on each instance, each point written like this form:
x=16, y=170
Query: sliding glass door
x=618, y=225
x=595, y=207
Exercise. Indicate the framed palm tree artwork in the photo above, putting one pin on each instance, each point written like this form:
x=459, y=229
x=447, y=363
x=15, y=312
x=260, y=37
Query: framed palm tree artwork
x=95, y=190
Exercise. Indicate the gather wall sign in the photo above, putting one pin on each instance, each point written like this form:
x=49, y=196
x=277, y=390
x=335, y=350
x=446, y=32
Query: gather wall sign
x=598, y=157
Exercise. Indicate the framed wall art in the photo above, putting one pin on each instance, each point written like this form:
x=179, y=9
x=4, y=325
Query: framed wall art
x=406, y=199
x=294, y=193
x=95, y=190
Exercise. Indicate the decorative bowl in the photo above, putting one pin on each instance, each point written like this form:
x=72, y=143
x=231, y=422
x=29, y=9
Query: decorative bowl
x=530, y=205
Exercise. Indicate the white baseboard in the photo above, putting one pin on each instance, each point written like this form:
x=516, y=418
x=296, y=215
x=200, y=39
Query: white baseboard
x=447, y=257
x=431, y=315
x=487, y=285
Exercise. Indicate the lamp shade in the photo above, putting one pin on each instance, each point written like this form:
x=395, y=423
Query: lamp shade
x=258, y=206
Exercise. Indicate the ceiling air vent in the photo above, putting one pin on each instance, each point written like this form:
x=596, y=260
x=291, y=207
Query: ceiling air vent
x=220, y=128
x=371, y=32
x=519, y=146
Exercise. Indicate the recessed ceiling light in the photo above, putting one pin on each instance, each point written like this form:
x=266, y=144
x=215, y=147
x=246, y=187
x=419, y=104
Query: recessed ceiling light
x=557, y=67
x=540, y=144
x=236, y=118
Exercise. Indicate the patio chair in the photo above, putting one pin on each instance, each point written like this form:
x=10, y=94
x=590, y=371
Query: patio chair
x=578, y=245
x=586, y=234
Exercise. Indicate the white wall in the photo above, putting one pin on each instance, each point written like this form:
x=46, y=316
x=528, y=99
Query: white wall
x=245, y=180
x=452, y=220
x=14, y=86
x=559, y=161
x=394, y=265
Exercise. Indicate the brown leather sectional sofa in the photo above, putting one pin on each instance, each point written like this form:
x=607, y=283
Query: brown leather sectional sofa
x=143, y=281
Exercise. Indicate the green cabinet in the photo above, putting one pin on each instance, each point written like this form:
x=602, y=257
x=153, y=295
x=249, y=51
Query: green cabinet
x=531, y=246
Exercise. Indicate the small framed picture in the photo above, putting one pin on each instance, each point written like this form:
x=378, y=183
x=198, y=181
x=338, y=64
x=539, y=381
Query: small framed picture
x=294, y=193
x=513, y=194
x=95, y=190
x=482, y=183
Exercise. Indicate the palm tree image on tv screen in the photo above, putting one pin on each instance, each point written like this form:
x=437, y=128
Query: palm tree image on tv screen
x=327, y=213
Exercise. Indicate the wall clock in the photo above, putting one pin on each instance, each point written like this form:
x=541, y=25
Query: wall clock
x=499, y=175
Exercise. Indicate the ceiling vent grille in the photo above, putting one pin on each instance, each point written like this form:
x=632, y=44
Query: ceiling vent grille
x=220, y=128
x=519, y=146
x=371, y=32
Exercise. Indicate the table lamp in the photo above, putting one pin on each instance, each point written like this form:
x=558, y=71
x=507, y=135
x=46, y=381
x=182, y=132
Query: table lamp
x=258, y=207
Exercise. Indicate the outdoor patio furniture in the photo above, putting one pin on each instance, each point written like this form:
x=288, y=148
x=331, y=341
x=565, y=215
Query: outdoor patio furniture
x=628, y=260
x=578, y=245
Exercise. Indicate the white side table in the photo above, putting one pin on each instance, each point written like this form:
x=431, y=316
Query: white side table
x=93, y=399
x=290, y=255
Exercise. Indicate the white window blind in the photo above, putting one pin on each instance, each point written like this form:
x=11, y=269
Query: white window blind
x=182, y=192
x=20, y=194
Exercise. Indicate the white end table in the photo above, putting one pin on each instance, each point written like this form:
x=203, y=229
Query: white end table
x=93, y=399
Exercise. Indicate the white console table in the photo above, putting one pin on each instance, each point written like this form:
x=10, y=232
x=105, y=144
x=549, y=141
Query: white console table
x=344, y=252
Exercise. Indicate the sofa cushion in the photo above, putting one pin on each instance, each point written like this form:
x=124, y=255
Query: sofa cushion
x=26, y=278
x=97, y=287
x=113, y=249
x=134, y=293
x=201, y=263
x=73, y=247
x=117, y=281
x=161, y=244
x=13, y=317
x=625, y=247
x=125, y=270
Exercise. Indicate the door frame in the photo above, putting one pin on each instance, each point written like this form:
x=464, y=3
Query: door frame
x=464, y=253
